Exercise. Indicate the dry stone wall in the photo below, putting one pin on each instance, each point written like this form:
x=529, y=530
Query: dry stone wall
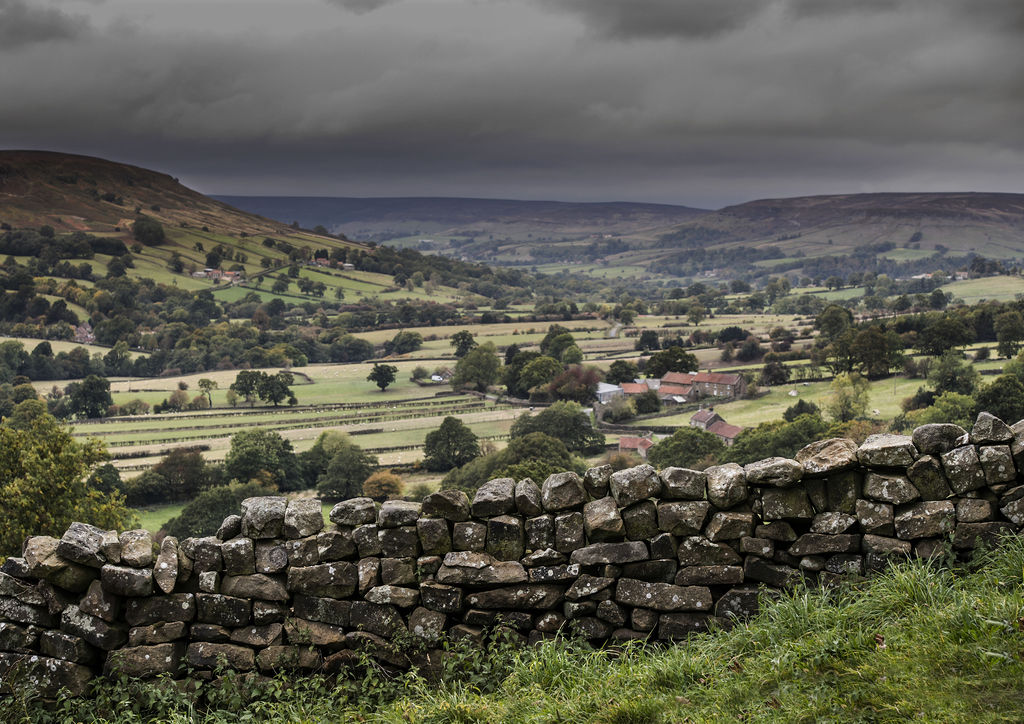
x=610, y=556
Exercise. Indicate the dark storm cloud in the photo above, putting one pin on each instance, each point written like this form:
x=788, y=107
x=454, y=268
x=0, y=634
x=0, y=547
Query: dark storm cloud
x=663, y=18
x=22, y=24
x=695, y=102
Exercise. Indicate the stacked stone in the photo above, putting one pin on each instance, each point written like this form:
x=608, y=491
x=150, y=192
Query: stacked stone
x=609, y=556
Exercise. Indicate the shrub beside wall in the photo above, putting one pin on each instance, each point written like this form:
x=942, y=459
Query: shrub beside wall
x=609, y=556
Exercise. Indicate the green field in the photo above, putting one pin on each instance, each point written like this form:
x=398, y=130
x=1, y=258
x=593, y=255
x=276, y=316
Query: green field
x=1001, y=288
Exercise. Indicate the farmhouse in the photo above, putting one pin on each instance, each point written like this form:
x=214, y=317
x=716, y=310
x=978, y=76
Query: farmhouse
x=719, y=384
x=710, y=421
x=639, y=445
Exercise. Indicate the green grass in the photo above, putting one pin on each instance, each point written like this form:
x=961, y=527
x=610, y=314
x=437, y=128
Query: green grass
x=152, y=519
x=918, y=642
x=1004, y=288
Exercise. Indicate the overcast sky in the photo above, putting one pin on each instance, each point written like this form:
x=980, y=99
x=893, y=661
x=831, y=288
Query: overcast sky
x=699, y=102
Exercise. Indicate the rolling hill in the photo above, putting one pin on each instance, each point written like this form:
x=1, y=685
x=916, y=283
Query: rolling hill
x=754, y=238
x=103, y=199
x=389, y=219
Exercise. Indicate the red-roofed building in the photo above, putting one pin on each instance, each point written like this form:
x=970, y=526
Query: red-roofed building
x=674, y=394
x=634, y=388
x=719, y=384
x=704, y=418
x=639, y=445
x=726, y=433
x=678, y=378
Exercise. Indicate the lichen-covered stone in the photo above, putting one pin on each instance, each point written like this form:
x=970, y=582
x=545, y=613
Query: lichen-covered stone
x=398, y=513
x=596, y=481
x=817, y=544
x=505, y=540
x=875, y=518
x=48, y=677
x=997, y=462
x=303, y=517
x=562, y=491
x=699, y=551
x=354, y=512
x=136, y=548
x=634, y=484
x=617, y=553
x=963, y=469
x=96, y=631
x=399, y=542
x=928, y=477
x=662, y=596
x=239, y=556
x=393, y=595
x=683, y=517
x=528, y=596
x=569, y=532
x=832, y=523
x=165, y=571
x=230, y=527
x=683, y=484
x=937, y=438
x=146, y=611
x=825, y=457
x=929, y=519
x=786, y=504
x=263, y=517
x=452, y=505
x=641, y=520
x=435, y=539
x=222, y=610
x=270, y=556
x=709, y=576
x=780, y=472
x=82, y=543
x=479, y=569
x=529, y=501
x=140, y=662
x=887, y=451
x=336, y=580
x=205, y=655
x=727, y=485
x=602, y=521
x=729, y=526
x=101, y=603
x=127, y=581
x=157, y=633
x=256, y=585
x=895, y=489
x=989, y=429
x=495, y=497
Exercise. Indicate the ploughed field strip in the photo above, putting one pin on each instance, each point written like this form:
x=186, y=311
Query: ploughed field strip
x=609, y=556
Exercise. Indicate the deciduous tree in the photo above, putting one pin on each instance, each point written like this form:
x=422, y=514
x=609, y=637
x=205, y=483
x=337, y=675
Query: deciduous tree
x=382, y=375
x=451, y=445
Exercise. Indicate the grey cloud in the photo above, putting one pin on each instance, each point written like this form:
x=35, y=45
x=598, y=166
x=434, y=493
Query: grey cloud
x=21, y=24
x=663, y=18
x=487, y=98
x=361, y=6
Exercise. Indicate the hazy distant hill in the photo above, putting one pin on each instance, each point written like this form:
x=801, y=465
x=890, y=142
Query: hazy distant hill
x=385, y=219
x=758, y=236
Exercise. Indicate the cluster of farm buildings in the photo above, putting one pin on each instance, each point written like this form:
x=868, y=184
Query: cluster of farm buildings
x=678, y=388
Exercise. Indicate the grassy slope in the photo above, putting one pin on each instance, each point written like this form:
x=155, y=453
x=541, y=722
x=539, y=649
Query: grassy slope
x=918, y=642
